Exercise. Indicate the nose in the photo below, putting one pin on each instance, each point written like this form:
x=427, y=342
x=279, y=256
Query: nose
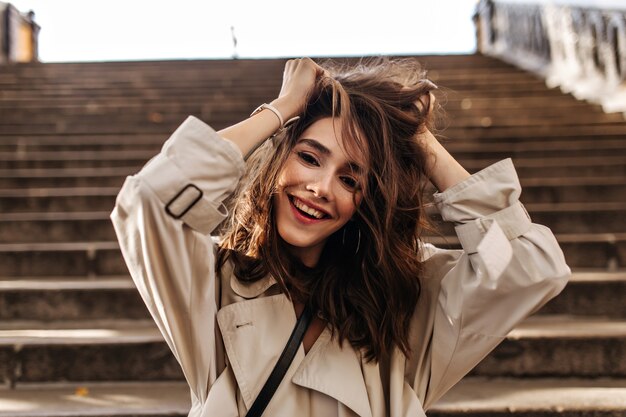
x=321, y=186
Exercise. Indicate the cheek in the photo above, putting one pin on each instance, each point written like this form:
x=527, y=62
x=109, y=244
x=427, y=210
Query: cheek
x=346, y=204
x=289, y=175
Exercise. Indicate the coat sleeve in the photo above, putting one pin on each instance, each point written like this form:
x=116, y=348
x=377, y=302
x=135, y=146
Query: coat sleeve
x=508, y=268
x=162, y=217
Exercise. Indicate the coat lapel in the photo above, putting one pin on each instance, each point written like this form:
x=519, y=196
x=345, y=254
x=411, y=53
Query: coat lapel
x=255, y=332
x=335, y=370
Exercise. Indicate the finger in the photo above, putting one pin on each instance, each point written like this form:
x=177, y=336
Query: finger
x=305, y=63
x=287, y=66
x=315, y=66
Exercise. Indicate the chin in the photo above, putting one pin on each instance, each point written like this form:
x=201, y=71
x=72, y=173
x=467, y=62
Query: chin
x=297, y=240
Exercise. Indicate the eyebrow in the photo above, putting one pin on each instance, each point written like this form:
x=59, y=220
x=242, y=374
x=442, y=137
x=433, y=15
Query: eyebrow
x=325, y=151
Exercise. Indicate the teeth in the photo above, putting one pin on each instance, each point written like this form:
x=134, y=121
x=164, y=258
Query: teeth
x=315, y=213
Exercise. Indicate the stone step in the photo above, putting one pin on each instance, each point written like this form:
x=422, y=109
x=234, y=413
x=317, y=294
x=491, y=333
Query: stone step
x=69, y=259
x=466, y=103
x=192, y=103
x=61, y=298
x=51, y=200
x=545, y=397
x=96, y=399
x=86, y=128
x=558, y=167
x=92, y=177
x=95, y=162
x=472, y=397
x=541, y=346
x=504, y=118
x=573, y=189
x=56, y=227
x=120, y=350
x=63, y=226
x=110, y=155
x=562, y=346
x=48, y=298
x=591, y=293
x=95, y=142
x=488, y=132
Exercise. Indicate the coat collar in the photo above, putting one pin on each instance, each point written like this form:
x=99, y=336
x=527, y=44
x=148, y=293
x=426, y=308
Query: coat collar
x=245, y=289
x=251, y=289
x=255, y=332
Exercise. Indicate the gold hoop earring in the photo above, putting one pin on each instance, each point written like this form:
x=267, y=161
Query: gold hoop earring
x=358, y=243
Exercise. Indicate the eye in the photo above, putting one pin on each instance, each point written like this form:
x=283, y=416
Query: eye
x=308, y=158
x=350, y=182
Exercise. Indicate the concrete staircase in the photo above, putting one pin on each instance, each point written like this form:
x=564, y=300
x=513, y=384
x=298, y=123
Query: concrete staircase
x=75, y=339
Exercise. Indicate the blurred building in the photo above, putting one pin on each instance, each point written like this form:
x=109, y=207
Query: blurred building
x=18, y=35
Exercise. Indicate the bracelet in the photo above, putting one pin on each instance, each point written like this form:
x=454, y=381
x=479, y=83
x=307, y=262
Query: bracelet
x=274, y=110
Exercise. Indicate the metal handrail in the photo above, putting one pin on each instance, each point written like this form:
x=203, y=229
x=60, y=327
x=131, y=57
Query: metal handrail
x=571, y=43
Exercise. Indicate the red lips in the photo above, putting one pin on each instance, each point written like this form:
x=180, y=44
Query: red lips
x=301, y=217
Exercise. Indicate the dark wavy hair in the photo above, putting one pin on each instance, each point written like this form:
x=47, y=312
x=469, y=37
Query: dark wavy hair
x=367, y=296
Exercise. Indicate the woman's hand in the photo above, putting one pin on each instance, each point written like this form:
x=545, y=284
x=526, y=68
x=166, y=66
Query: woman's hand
x=299, y=77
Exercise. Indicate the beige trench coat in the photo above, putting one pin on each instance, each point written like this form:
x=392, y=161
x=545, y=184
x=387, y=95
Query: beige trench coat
x=227, y=335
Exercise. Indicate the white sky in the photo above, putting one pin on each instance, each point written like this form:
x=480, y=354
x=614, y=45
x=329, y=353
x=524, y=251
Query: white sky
x=84, y=30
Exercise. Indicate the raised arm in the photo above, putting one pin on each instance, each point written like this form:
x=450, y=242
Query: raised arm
x=298, y=78
x=507, y=268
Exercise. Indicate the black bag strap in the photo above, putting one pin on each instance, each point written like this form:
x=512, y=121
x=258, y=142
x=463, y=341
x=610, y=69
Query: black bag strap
x=281, y=367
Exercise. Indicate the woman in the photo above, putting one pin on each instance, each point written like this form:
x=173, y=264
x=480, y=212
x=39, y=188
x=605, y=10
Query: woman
x=330, y=214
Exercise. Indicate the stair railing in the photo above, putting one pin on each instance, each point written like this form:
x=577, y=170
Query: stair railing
x=579, y=45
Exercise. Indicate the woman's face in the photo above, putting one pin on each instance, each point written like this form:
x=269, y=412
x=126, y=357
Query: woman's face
x=316, y=191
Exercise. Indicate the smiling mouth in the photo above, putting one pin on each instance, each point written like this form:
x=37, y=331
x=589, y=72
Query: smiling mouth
x=307, y=211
